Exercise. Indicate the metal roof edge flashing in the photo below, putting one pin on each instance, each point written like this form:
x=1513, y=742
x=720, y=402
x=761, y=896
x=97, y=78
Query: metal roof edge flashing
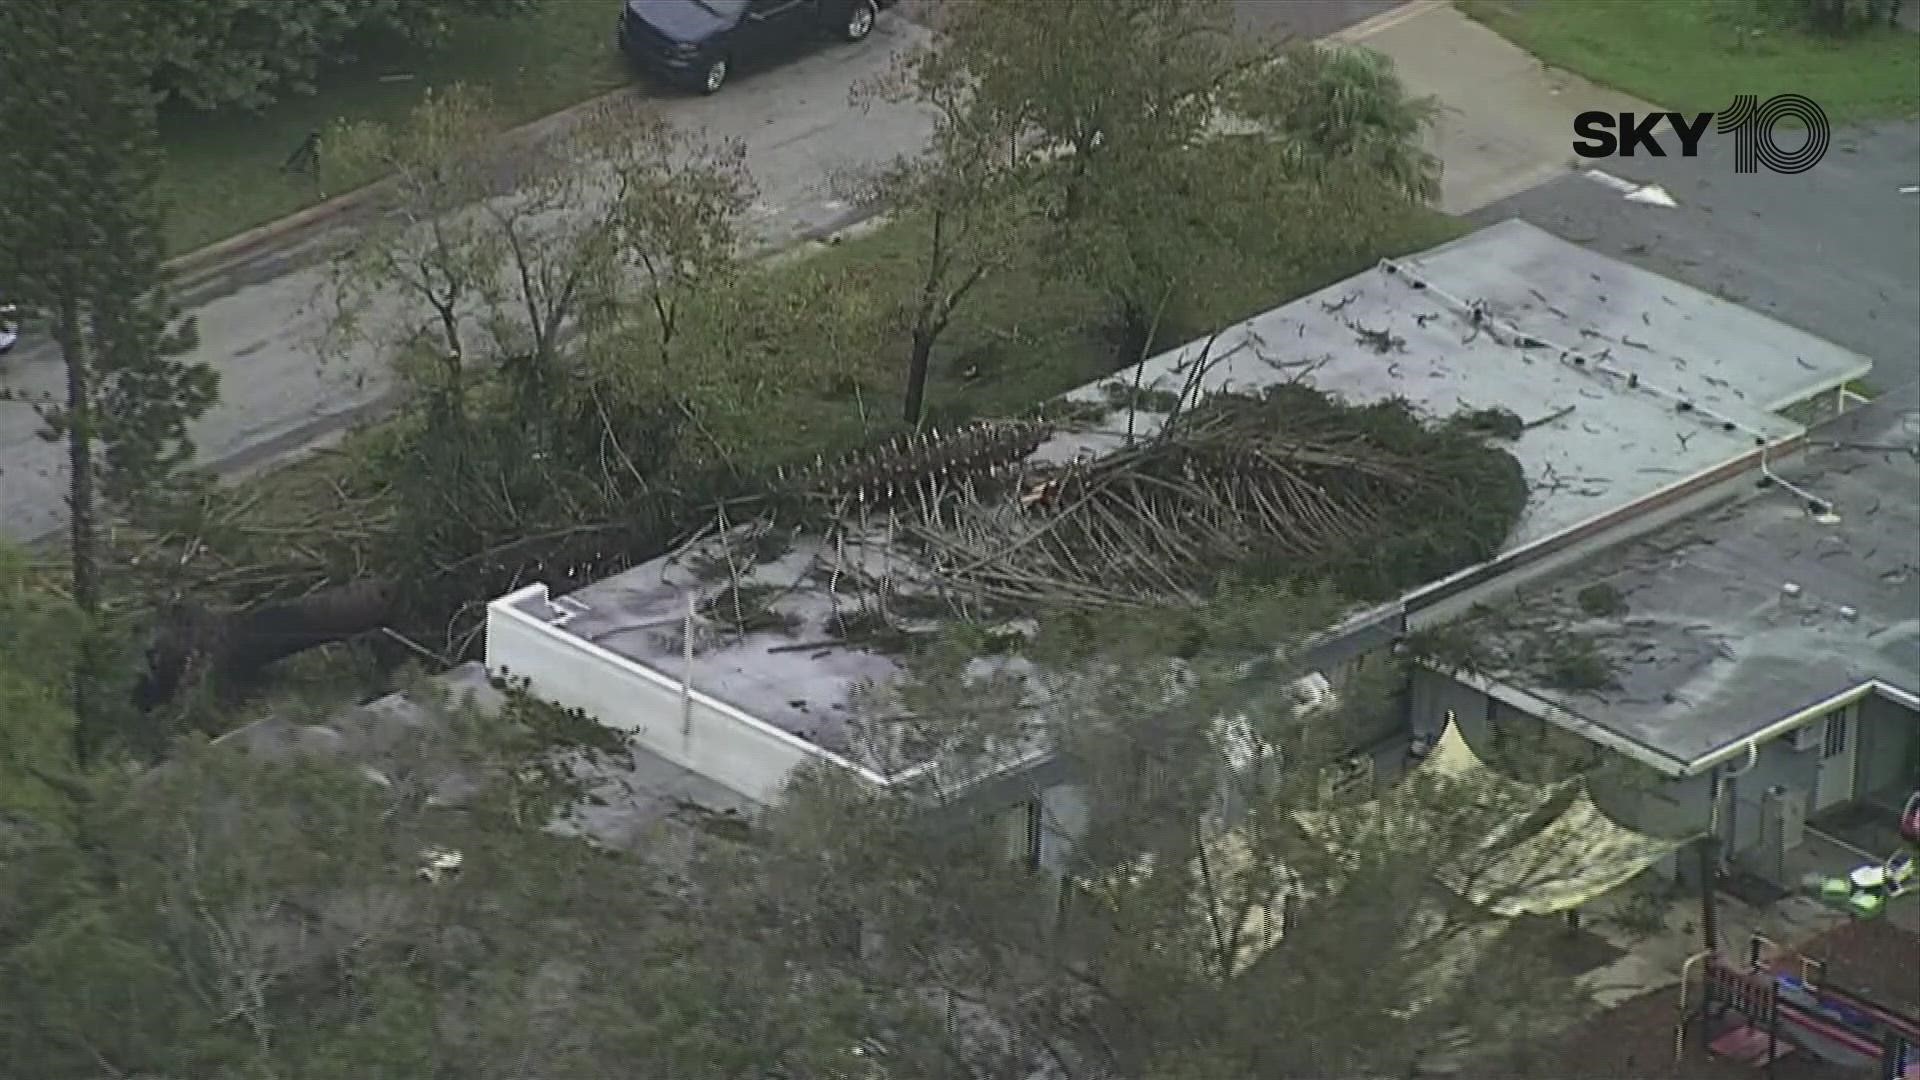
x=1560, y=716
x=1799, y=718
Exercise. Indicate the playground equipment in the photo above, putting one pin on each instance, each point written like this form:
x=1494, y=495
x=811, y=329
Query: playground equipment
x=1758, y=1016
x=1864, y=893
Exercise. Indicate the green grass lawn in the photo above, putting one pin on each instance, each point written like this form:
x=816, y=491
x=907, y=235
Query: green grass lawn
x=222, y=174
x=1695, y=55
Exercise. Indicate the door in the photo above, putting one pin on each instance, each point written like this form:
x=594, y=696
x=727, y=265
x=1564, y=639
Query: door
x=774, y=26
x=1839, y=753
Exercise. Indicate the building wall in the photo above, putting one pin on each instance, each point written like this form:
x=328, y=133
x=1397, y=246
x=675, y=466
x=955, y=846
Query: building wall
x=1889, y=749
x=1763, y=807
x=693, y=730
x=1375, y=691
x=1063, y=817
x=1432, y=697
x=1040, y=829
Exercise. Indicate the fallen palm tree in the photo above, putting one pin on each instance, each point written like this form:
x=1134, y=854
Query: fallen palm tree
x=1286, y=484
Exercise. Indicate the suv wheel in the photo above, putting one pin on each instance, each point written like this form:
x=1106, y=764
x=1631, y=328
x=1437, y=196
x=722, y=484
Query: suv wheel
x=860, y=20
x=716, y=76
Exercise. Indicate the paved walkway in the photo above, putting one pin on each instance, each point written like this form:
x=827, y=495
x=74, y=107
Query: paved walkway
x=1508, y=120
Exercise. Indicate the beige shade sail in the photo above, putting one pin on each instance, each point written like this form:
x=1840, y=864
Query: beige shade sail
x=1579, y=856
x=1574, y=858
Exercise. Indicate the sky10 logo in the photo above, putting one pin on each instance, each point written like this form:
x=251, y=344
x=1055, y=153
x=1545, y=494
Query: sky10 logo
x=1754, y=125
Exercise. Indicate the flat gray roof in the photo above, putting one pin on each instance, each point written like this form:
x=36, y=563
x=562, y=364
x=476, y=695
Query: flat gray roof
x=1713, y=645
x=1599, y=445
x=799, y=679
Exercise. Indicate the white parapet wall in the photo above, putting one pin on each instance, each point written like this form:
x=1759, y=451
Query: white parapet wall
x=687, y=727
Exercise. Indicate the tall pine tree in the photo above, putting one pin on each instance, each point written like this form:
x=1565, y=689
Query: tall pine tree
x=80, y=253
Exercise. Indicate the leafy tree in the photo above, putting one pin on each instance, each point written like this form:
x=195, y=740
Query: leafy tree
x=965, y=190
x=80, y=245
x=240, y=915
x=511, y=249
x=432, y=245
x=1072, y=79
x=1229, y=912
x=678, y=203
x=1340, y=114
x=250, y=53
x=496, y=278
x=1147, y=179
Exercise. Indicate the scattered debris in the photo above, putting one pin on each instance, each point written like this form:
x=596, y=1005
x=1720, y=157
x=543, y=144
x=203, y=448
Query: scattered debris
x=439, y=864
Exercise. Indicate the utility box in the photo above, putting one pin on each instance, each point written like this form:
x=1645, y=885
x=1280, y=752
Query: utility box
x=1792, y=809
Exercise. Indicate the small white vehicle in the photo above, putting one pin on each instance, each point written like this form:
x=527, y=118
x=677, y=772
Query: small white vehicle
x=9, y=328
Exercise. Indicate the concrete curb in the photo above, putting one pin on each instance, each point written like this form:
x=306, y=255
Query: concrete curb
x=1367, y=28
x=210, y=259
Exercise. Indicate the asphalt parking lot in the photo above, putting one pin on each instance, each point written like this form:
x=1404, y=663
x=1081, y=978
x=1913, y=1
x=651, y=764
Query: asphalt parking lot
x=1834, y=251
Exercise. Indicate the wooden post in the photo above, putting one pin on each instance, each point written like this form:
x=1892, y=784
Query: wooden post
x=1709, y=908
x=1773, y=1018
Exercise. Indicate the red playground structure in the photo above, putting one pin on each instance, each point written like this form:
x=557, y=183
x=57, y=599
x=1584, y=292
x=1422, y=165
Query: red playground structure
x=1759, y=1015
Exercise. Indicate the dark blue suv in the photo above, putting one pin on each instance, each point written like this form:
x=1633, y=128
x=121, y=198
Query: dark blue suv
x=698, y=43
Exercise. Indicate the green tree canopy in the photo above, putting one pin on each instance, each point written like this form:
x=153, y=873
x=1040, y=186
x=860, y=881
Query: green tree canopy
x=1229, y=912
x=1148, y=126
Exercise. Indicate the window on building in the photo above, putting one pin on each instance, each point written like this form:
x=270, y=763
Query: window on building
x=1834, y=742
x=1023, y=826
